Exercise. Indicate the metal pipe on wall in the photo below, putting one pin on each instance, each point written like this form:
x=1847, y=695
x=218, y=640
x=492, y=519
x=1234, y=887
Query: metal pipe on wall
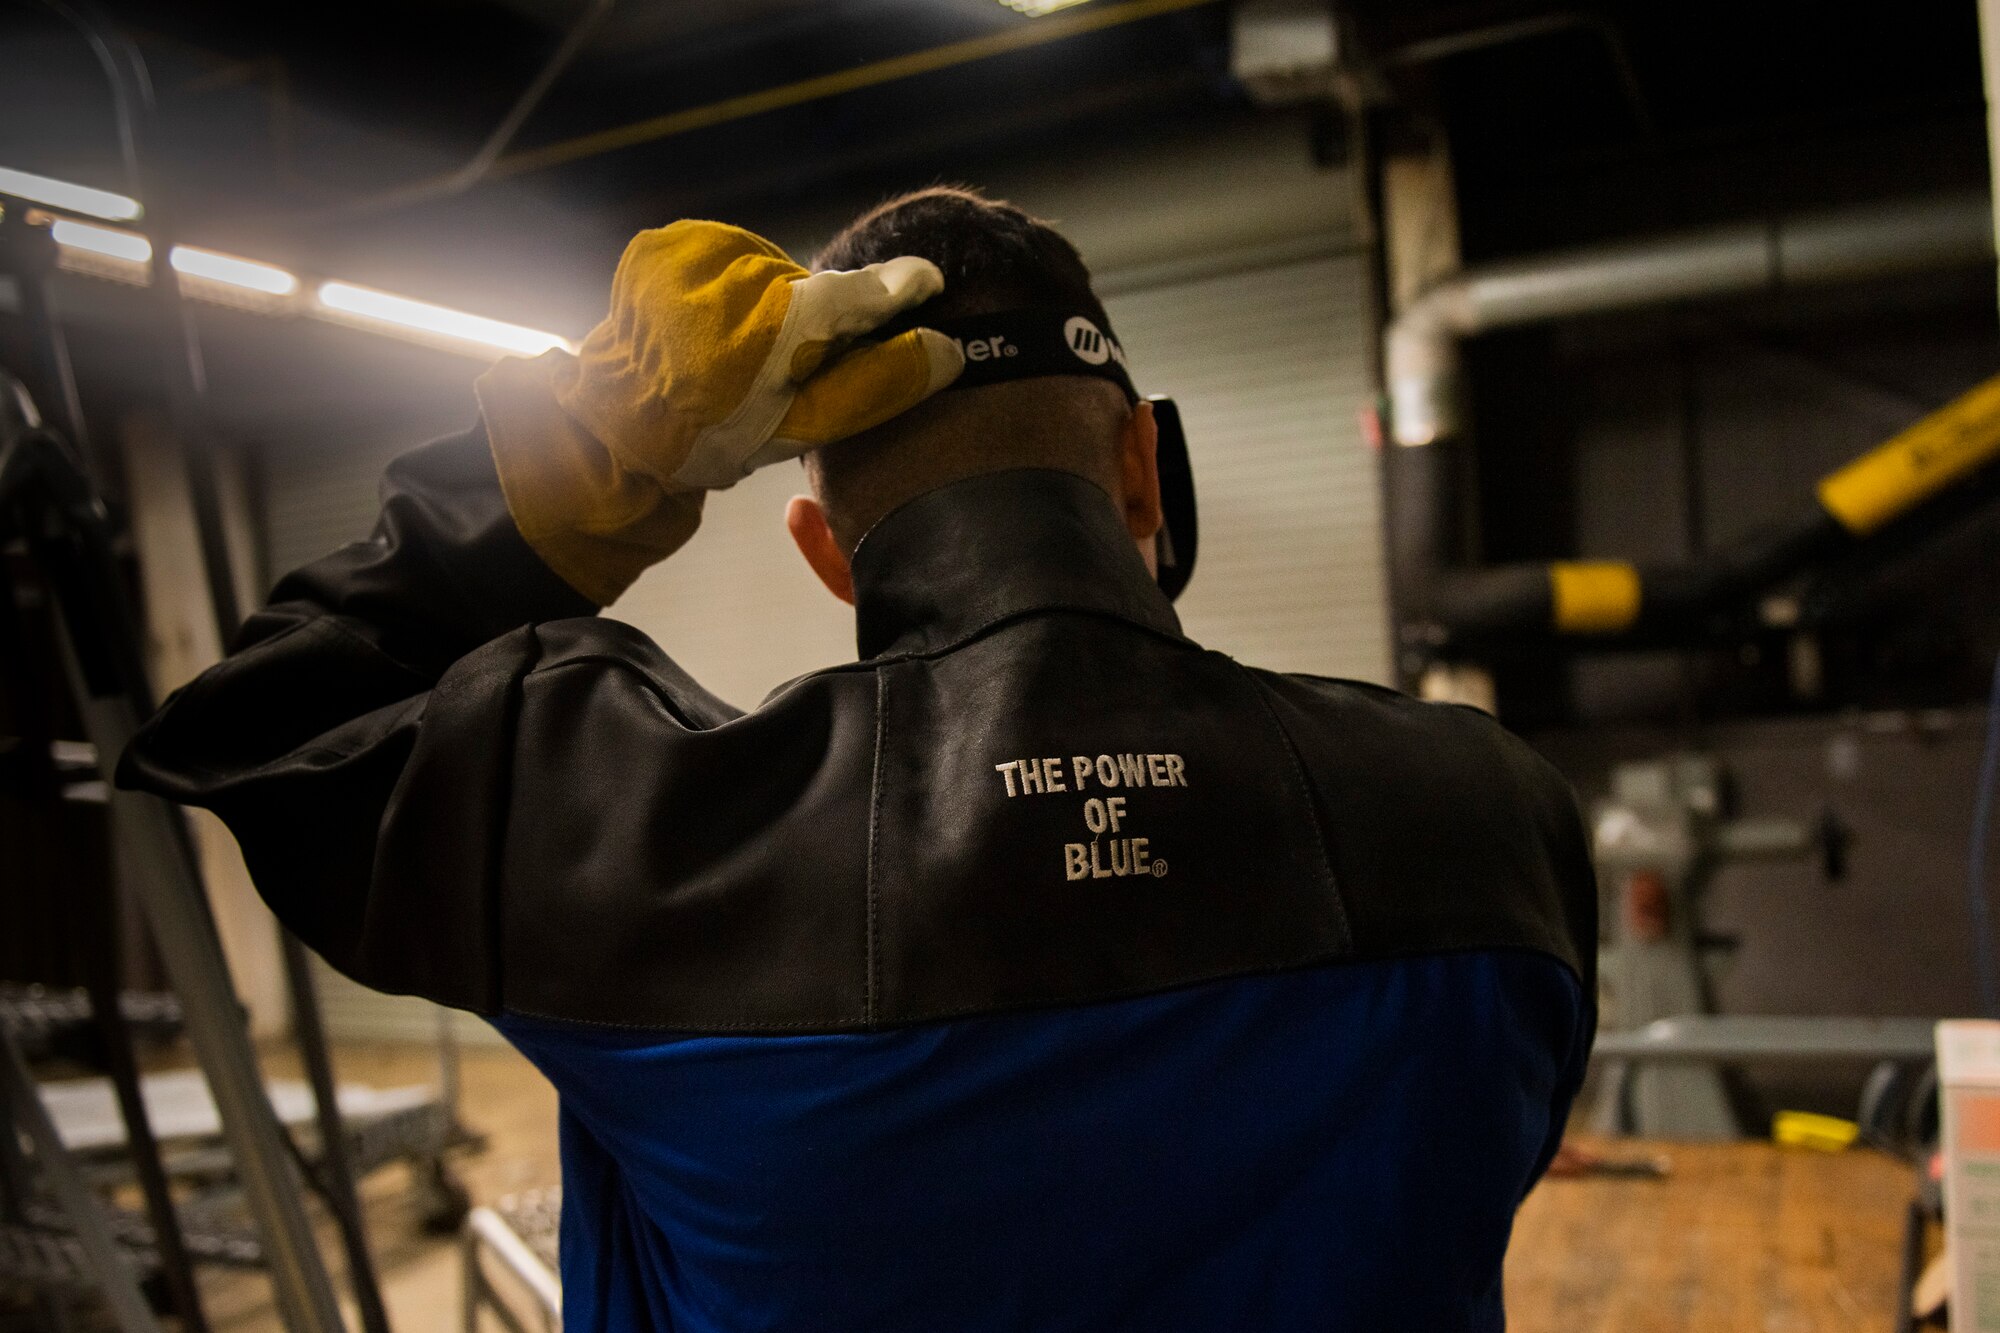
x=1421, y=345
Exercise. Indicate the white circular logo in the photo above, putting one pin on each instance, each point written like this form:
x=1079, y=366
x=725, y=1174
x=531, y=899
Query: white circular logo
x=1087, y=342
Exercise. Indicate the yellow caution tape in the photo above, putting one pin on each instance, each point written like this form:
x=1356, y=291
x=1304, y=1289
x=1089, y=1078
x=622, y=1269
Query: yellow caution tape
x=1930, y=455
x=1594, y=596
x=1822, y=1133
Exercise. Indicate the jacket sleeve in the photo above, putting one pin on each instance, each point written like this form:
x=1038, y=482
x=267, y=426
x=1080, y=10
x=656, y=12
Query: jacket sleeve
x=356, y=740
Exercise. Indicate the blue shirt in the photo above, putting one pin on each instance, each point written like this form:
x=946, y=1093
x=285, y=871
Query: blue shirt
x=1336, y=1148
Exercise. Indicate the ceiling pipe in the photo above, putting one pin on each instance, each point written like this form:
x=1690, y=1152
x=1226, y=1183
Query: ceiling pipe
x=1444, y=610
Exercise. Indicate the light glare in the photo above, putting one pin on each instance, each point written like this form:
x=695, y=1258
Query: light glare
x=382, y=307
x=1034, y=9
x=64, y=194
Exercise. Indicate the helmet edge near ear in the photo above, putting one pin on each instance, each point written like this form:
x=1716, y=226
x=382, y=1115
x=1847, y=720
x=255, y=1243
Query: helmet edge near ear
x=1179, y=533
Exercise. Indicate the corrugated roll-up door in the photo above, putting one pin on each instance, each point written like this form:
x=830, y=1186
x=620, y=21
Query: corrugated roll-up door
x=1267, y=363
x=319, y=496
x=1269, y=369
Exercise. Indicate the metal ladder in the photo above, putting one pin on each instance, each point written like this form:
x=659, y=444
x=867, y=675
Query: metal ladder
x=48, y=502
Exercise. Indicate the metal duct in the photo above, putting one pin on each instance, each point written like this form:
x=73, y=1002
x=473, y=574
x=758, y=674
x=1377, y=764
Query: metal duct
x=1421, y=345
x=1442, y=609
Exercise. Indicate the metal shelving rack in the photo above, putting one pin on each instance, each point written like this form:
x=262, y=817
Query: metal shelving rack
x=47, y=502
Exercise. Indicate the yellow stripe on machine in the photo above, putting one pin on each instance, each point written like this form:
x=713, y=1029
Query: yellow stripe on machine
x=1594, y=596
x=1936, y=451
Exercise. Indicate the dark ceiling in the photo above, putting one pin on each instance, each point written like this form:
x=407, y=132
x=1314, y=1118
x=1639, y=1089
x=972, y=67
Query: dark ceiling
x=250, y=89
x=242, y=84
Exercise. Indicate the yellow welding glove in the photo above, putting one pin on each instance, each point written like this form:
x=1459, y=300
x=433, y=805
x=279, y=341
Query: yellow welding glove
x=720, y=355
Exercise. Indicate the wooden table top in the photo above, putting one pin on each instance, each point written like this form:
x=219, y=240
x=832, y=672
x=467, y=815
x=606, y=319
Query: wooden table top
x=1743, y=1237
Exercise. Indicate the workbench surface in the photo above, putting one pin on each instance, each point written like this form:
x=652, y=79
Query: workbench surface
x=1743, y=1237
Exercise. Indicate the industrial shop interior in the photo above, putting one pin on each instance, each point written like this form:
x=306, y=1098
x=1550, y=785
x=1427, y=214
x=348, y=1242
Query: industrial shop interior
x=999, y=665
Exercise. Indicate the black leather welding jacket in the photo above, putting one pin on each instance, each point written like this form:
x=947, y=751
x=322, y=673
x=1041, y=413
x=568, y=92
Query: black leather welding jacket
x=1041, y=969
x=452, y=780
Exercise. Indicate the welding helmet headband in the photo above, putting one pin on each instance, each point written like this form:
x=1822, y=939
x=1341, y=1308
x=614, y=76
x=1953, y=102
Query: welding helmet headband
x=1030, y=344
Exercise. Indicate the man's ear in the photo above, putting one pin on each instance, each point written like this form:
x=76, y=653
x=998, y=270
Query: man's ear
x=1139, y=467
x=807, y=524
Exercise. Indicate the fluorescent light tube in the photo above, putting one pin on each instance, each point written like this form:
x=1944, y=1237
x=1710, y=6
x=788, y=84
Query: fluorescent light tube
x=248, y=273
x=123, y=255
x=63, y=194
x=368, y=306
x=109, y=242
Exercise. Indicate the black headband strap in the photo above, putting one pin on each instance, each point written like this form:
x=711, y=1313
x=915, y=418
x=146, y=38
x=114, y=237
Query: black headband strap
x=1031, y=343
x=1027, y=344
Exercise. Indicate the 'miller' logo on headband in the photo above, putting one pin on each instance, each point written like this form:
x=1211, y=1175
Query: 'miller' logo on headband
x=986, y=349
x=1090, y=345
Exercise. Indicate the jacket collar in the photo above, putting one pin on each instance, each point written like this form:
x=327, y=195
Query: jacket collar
x=960, y=558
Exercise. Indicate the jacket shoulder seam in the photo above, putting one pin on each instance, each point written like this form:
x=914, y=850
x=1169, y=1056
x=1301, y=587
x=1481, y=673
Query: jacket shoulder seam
x=653, y=683
x=1304, y=786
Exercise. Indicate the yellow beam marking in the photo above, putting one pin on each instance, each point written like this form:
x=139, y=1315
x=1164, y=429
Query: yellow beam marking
x=1936, y=451
x=1594, y=596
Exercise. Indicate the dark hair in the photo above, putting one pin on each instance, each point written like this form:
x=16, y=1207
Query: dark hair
x=994, y=256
